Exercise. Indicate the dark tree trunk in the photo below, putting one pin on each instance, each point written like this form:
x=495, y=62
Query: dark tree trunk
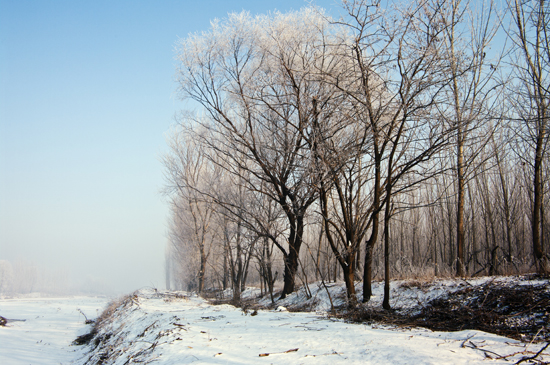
x=540, y=259
x=291, y=266
x=460, y=209
x=369, y=247
x=387, y=216
x=349, y=278
x=291, y=259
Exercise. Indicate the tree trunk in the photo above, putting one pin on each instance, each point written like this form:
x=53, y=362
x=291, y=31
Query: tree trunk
x=349, y=278
x=367, y=272
x=291, y=266
x=369, y=247
x=460, y=209
x=291, y=257
x=504, y=187
x=540, y=259
x=202, y=271
x=386, y=303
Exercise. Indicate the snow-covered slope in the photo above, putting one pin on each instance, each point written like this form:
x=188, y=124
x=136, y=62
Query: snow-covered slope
x=406, y=296
x=168, y=329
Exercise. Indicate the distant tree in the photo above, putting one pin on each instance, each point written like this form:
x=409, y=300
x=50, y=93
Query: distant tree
x=6, y=277
x=188, y=172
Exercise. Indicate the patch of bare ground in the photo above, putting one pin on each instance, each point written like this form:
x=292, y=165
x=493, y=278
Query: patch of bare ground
x=519, y=311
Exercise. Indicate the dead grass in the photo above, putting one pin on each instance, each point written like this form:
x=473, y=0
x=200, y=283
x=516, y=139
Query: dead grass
x=416, y=284
x=103, y=319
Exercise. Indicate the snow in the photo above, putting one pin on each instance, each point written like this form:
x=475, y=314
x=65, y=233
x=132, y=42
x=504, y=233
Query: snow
x=49, y=327
x=182, y=328
x=406, y=296
x=155, y=326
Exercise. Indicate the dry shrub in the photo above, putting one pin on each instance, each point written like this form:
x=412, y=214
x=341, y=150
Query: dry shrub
x=519, y=312
x=112, y=307
x=105, y=318
x=515, y=311
x=174, y=296
x=372, y=316
x=307, y=306
x=416, y=284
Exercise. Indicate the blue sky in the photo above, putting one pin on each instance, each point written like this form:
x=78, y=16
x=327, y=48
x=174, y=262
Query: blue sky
x=87, y=94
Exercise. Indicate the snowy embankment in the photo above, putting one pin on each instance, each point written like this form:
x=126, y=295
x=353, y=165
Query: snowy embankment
x=44, y=329
x=177, y=328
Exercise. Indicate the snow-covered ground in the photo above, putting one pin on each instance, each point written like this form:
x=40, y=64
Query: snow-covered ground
x=159, y=327
x=151, y=326
x=406, y=296
x=49, y=327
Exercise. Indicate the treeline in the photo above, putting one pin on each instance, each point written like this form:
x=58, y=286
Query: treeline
x=396, y=141
x=22, y=277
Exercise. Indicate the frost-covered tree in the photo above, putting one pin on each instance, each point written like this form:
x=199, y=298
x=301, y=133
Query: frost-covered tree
x=188, y=174
x=256, y=79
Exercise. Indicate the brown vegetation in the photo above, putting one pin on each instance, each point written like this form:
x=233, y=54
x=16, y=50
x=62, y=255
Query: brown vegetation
x=520, y=312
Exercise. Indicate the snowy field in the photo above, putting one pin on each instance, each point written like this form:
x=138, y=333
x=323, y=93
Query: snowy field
x=150, y=326
x=49, y=327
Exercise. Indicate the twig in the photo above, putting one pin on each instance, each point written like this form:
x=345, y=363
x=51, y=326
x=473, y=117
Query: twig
x=474, y=346
x=532, y=340
x=275, y=353
x=466, y=340
x=534, y=356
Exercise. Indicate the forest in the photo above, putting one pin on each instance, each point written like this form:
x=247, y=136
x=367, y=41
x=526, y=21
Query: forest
x=398, y=140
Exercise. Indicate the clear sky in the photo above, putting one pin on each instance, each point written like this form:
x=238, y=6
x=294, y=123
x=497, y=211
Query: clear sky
x=87, y=94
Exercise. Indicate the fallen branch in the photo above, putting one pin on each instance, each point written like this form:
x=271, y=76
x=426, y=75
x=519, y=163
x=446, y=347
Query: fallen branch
x=534, y=356
x=466, y=340
x=487, y=353
x=86, y=320
x=276, y=353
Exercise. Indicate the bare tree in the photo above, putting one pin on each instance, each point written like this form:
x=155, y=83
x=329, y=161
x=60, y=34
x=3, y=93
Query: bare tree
x=384, y=123
x=401, y=72
x=469, y=30
x=345, y=201
x=253, y=79
x=188, y=173
x=530, y=97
